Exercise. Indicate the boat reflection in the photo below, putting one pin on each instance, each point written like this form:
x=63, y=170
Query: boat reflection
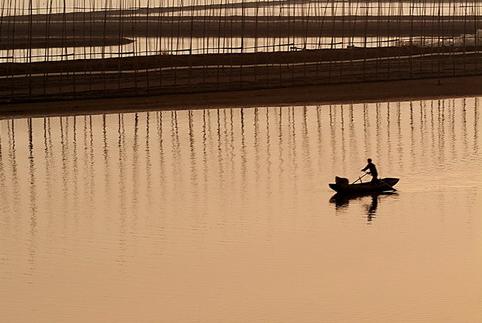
x=342, y=201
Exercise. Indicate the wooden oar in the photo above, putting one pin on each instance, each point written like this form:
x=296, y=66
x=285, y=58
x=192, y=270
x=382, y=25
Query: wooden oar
x=359, y=179
x=381, y=181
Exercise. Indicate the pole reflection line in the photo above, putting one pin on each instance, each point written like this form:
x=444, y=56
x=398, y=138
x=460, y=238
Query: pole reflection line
x=32, y=201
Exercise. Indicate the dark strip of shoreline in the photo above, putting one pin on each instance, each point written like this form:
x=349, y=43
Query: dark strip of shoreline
x=405, y=90
x=222, y=78
x=140, y=63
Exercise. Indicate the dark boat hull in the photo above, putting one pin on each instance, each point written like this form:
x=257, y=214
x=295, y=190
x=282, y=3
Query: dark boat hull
x=385, y=184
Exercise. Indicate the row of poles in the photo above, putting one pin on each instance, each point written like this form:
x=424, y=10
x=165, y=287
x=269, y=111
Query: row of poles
x=89, y=30
x=388, y=13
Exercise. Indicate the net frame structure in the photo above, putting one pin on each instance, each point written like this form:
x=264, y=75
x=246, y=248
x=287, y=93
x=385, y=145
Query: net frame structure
x=57, y=49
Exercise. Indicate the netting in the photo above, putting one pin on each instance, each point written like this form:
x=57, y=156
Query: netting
x=59, y=48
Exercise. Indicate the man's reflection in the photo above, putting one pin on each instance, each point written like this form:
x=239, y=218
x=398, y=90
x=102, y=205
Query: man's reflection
x=372, y=208
x=343, y=201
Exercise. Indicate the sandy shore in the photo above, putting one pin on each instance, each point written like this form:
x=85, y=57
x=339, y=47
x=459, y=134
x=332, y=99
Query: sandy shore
x=306, y=95
x=230, y=77
x=140, y=63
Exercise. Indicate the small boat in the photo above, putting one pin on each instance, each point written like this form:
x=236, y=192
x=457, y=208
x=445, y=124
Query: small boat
x=342, y=186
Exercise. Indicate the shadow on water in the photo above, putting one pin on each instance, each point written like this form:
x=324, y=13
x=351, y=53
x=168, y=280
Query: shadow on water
x=342, y=201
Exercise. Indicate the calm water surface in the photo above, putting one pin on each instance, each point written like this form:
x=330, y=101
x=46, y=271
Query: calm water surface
x=225, y=216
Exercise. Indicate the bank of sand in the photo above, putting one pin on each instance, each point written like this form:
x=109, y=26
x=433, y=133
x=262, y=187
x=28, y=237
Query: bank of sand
x=406, y=90
x=228, y=75
x=248, y=79
x=139, y=63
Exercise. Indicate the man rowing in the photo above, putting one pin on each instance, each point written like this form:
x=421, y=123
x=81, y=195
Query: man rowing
x=377, y=185
x=372, y=170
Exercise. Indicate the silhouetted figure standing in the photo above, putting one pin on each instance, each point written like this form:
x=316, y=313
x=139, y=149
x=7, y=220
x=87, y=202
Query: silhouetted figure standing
x=372, y=170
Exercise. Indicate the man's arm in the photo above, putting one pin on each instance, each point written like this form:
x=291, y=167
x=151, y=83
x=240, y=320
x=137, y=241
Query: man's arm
x=365, y=169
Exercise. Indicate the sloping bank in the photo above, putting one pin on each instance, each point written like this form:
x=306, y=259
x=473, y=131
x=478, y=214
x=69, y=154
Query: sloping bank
x=404, y=90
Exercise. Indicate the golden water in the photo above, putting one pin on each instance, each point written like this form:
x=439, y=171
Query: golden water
x=225, y=216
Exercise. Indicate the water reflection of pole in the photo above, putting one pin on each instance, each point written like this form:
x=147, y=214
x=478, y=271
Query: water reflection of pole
x=343, y=146
x=268, y=152
x=135, y=160
x=192, y=146
x=65, y=174
x=280, y=149
x=319, y=137
x=243, y=155
x=122, y=189
x=476, y=125
x=48, y=166
x=422, y=128
x=87, y=169
x=91, y=164
x=441, y=130
x=33, y=198
x=5, y=205
x=225, y=133
x=378, y=131
x=148, y=160
x=306, y=145
x=176, y=148
x=366, y=130
x=352, y=134
x=160, y=138
x=389, y=137
x=412, y=136
x=464, y=125
x=12, y=156
x=256, y=146
x=75, y=170
x=107, y=188
x=432, y=127
x=452, y=127
x=293, y=150
x=219, y=152
x=333, y=138
x=399, y=136
x=205, y=153
x=210, y=141
x=224, y=144
x=232, y=143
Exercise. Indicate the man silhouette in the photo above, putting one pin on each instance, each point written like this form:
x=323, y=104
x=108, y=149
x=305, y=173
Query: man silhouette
x=372, y=170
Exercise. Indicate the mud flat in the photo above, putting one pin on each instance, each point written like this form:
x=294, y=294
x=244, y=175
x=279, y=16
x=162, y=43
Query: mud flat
x=405, y=90
x=139, y=63
x=192, y=80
